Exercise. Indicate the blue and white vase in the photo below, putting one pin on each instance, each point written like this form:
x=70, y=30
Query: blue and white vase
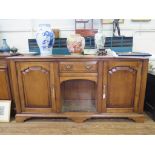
x=45, y=39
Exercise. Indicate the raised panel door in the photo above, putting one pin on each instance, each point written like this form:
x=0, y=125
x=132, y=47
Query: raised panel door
x=36, y=86
x=123, y=86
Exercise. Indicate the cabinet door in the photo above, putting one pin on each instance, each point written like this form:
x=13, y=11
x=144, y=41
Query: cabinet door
x=36, y=86
x=122, y=86
x=4, y=85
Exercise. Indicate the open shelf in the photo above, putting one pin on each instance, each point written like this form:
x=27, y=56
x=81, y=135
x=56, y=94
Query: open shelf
x=79, y=105
x=78, y=96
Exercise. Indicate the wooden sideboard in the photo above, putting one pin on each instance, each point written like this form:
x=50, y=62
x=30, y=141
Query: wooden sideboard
x=78, y=87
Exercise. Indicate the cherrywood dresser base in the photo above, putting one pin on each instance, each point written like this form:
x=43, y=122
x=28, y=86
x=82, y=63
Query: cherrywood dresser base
x=78, y=87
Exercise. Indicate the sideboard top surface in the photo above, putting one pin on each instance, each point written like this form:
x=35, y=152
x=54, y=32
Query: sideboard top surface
x=77, y=57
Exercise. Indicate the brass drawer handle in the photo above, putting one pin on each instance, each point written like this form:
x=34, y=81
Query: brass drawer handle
x=88, y=67
x=68, y=67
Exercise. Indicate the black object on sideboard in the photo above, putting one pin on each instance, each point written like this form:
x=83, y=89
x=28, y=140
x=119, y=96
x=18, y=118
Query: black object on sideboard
x=150, y=95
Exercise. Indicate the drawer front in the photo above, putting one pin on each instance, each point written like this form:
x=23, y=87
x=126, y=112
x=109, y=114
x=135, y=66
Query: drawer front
x=87, y=67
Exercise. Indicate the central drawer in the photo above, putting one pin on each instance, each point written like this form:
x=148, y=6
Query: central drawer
x=84, y=67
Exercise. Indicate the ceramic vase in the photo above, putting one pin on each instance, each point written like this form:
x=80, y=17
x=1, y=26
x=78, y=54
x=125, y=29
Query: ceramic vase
x=100, y=39
x=45, y=39
x=75, y=44
x=5, y=47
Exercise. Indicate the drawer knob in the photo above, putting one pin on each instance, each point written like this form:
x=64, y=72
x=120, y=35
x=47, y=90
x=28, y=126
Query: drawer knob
x=68, y=67
x=88, y=67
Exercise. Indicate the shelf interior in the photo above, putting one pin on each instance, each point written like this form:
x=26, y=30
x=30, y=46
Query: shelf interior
x=78, y=96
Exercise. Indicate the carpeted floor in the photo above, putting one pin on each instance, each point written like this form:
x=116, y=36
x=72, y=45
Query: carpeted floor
x=67, y=127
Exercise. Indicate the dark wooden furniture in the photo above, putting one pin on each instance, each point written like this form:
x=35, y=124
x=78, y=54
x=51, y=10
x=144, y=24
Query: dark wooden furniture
x=150, y=95
x=78, y=87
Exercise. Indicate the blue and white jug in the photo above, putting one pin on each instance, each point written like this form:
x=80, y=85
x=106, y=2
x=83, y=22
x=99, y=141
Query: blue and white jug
x=45, y=39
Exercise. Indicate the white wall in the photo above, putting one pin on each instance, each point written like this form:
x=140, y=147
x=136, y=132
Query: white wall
x=17, y=32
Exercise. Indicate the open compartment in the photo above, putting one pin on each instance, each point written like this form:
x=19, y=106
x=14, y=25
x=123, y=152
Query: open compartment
x=78, y=96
